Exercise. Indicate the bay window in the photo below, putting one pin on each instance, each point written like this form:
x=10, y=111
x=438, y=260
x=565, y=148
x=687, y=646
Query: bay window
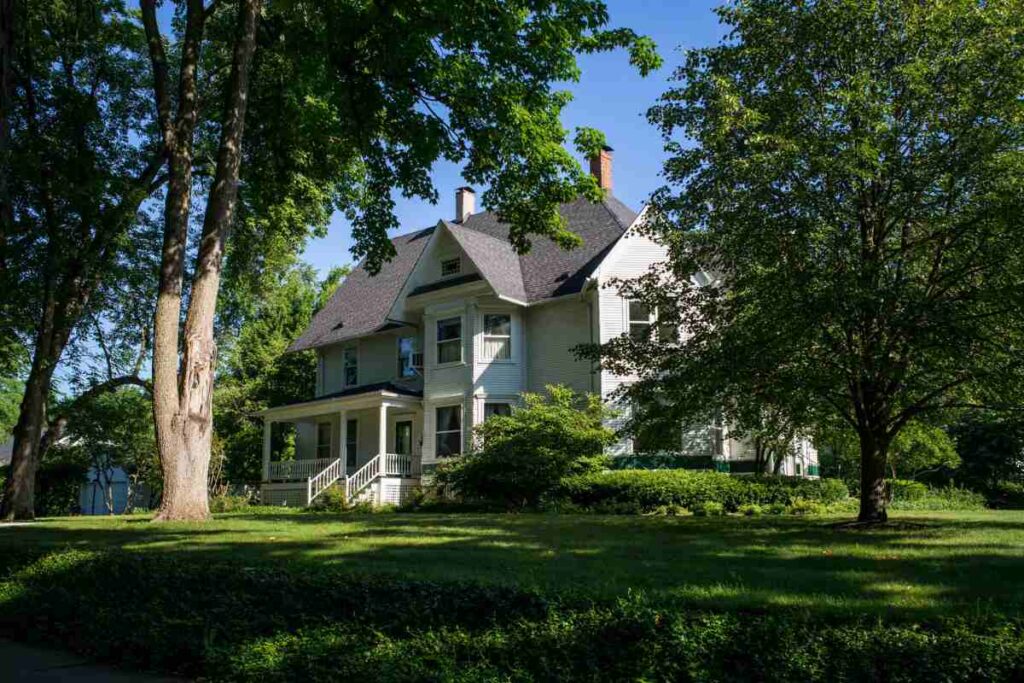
x=449, y=340
x=497, y=336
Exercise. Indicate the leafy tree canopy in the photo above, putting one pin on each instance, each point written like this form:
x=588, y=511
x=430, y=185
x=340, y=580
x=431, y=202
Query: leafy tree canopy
x=256, y=373
x=845, y=181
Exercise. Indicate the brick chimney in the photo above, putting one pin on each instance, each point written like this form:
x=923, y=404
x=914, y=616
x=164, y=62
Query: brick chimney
x=465, y=203
x=601, y=168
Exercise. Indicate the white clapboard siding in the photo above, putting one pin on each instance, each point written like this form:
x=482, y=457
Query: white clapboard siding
x=552, y=330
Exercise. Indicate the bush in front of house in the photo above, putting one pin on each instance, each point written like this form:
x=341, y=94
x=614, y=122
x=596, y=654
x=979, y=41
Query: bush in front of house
x=520, y=458
x=232, y=621
x=641, y=491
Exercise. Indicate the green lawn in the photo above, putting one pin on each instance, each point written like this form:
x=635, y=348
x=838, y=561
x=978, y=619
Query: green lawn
x=927, y=564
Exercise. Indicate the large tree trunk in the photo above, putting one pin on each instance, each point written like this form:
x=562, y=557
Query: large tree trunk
x=185, y=437
x=19, y=493
x=873, y=453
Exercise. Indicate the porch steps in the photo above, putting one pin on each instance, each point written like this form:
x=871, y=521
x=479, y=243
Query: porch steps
x=391, y=472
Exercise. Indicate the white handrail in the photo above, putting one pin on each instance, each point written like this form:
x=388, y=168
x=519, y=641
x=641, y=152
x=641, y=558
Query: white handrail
x=362, y=477
x=330, y=474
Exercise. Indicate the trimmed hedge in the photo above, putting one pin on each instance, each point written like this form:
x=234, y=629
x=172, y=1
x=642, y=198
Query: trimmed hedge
x=309, y=622
x=633, y=491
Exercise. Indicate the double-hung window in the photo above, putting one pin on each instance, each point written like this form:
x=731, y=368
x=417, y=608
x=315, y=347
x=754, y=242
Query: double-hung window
x=449, y=340
x=323, y=440
x=351, y=366
x=497, y=336
x=448, y=431
x=640, y=320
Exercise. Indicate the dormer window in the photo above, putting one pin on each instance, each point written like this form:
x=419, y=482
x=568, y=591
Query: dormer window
x=451, y=266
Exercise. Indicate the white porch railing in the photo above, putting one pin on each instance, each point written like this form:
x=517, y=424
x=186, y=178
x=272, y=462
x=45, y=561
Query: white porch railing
x=397, y=464
x=296, y=469
x=329, y=475
x=386, y=465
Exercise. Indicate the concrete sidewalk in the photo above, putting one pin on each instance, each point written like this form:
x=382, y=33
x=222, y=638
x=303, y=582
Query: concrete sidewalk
x=29, y=663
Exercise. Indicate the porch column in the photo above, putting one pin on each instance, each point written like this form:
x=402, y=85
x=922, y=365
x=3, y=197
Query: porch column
x=267, y=429
x=343, y=436
x=382, y=429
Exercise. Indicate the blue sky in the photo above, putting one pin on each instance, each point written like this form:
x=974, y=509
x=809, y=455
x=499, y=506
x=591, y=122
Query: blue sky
x=610, y=96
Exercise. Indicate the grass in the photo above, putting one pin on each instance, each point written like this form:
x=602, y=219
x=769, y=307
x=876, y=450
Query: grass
x=924, y=565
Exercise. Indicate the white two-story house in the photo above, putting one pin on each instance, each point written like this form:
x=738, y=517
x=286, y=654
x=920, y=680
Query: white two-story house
x=452, y=330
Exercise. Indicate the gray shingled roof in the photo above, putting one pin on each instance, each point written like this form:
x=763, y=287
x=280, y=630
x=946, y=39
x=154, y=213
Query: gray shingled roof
x=361, y=304
x=496, y=259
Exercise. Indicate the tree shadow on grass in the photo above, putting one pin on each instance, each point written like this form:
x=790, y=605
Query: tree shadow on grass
x=205, y=596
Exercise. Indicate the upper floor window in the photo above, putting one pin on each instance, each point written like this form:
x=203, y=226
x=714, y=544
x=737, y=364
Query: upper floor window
x=351, y=366
x=640, y=320
x=451, y=266
x=408, y=360
x=449, y=340
x=497, y=336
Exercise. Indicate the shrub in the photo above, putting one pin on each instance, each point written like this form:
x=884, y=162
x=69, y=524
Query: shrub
x=308, y=622
x=631, y=491
x=709, y=509
x=801, y=506
x=946, y=498
x=905, y=489
x=228, y=503
x=523, y=456
x=777, y=509
x=750, y=510
x=331, y=499
x=1007, y=495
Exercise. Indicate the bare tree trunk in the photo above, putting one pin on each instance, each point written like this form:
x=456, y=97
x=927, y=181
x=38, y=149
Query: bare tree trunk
x=872, y=479
x=185, y=436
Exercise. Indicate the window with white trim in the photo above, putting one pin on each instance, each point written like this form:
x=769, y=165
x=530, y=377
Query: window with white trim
x=351, y=366
x=448, y=431
x=500, y=409
x=451, y=266
x=497, y=336
x=449, y=340
x=640, y=319
x=323, y=440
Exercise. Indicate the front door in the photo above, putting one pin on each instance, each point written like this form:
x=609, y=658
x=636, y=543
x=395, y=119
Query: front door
x=403, y=437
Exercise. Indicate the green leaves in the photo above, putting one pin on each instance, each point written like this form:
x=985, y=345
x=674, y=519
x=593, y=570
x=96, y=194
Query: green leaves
x=851, y=171
x=362, y=100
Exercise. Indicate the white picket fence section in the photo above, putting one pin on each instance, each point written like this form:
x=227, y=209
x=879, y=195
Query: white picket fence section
x=323, y=479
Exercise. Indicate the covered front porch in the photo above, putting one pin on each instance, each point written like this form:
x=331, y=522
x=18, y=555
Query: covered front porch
x=367, y=440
